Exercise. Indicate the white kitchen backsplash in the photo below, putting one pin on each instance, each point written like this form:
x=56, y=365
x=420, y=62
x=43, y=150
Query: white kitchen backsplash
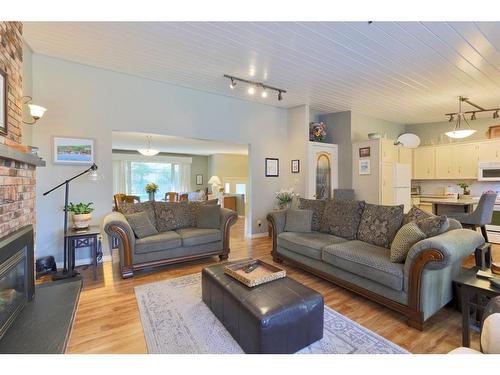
x=439, y=187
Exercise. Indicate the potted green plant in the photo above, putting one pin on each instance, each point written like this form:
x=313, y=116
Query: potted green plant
x=151, y=189
x=465, y=187
x=82, y=214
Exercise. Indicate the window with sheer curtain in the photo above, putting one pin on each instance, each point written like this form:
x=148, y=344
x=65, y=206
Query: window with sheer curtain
x=131, y=176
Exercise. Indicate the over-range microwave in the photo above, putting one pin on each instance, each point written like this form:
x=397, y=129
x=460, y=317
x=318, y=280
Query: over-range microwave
x=489, y=171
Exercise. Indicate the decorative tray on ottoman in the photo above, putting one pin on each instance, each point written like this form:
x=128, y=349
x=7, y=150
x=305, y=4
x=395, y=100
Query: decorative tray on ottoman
x=263, y=273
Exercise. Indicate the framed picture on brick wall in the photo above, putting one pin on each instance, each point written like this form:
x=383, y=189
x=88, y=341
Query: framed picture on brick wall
x=3, y=102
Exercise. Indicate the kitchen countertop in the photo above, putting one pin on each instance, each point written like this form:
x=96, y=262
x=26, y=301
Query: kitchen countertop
x=447, y=201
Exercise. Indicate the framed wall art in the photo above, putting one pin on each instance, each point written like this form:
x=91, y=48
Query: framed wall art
x=364, y=152
x=3, y=102
x=73, y=150
x=295, y=166
x=364, y=167
x=199, y=179
x=272, y=167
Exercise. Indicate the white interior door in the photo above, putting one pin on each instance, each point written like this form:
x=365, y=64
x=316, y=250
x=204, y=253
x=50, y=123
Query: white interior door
x=322, y=170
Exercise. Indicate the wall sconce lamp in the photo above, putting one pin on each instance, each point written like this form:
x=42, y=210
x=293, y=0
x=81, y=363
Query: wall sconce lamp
x=36, y=111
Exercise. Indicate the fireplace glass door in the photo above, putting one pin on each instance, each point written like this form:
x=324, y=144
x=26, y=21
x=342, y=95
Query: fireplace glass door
x=13, y=291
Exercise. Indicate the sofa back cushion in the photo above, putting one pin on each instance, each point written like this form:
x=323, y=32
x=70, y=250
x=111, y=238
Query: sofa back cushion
x=379, y=224
x=434, y=225
x=132, y=208
x=416, y=214
x=317, y=206
x=407, y=236
x=173, y=215
x=341, y=217
x=208, y=217
x=298, y=220
x=141, y=225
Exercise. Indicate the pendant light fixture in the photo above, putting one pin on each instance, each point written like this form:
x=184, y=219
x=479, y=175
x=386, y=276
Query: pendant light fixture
x=148, y=151
x=460, y=131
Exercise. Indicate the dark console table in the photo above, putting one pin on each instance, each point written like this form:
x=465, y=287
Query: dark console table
x=474, y=294
x=77, y=238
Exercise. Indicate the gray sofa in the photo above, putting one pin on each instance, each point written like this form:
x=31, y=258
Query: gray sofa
x=418, y=288
x=178, y=238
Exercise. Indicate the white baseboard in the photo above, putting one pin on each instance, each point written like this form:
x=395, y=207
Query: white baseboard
x=86, y=261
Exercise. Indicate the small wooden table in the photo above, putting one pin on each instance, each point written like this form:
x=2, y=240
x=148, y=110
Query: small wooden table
x=463, y=204
x=78, y=238
x=474, y=296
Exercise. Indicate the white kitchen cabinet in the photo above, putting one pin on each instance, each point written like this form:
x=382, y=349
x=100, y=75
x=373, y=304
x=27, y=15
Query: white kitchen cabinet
x=466, y=158
x=424, y=163
x=387, y=184
x=489, y=151
x=445, y=164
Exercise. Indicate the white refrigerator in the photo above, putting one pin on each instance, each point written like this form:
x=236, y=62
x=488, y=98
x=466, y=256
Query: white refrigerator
x=402, y=185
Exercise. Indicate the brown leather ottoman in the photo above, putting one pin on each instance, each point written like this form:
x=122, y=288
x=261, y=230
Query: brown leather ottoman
x=281, y=316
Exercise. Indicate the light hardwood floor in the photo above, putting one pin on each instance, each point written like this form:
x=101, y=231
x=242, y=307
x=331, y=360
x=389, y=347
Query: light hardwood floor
x=107, y=319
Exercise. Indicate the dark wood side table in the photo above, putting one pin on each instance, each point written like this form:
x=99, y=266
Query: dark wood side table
x=82, y=238
x=474, y=296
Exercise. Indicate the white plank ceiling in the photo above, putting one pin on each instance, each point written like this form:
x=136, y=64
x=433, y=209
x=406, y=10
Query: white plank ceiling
x=407, y=72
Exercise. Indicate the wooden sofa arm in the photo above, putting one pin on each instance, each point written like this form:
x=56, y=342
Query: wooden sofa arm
x=116, y=225
x=228, y=218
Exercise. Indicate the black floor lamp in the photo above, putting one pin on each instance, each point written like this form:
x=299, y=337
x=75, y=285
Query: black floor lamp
x=70, y=272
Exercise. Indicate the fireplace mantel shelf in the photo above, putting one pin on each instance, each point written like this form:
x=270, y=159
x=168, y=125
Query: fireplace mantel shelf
x=8, y=152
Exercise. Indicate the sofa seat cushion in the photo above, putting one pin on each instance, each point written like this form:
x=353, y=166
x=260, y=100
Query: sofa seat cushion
x=158, y=242
x=307, y=244
x=366, y=260
x=198, y=236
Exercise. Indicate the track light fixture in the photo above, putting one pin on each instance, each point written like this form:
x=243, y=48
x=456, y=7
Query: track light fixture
x=458, y=130
x=253, y=85
x=479, y=109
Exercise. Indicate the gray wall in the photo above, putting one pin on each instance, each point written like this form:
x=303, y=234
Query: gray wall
x=339, y=132
x=298, y=135
x=433, y=132
x=362, y=125
x=84, y=101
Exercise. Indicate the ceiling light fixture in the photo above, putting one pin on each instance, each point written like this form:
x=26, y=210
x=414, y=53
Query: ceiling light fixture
x=36, y=111
x=148, y=151
x=462, y=133
x=253, y=85
x=458, y=131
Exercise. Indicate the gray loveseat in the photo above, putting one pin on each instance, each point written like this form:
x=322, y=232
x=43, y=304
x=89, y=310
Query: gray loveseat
x=178, y=238
x=418, y=288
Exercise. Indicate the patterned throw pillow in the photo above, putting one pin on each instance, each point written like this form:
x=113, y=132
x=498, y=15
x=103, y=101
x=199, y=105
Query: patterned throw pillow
x=341, y=217
x=432, y=226
x=416, y=214
x=407, y=236
x=317, y=206
x=379, y=224
x=141, y=225
x=172, y=215
x=132, y=208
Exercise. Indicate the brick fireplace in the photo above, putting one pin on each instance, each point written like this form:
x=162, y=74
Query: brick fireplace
x=17, y=187
x=17, y=176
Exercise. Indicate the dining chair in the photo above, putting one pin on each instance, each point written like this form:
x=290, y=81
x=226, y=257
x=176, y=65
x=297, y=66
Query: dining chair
x=171, y=196
x=183, y=197
x=119, y=198
x=481, y=216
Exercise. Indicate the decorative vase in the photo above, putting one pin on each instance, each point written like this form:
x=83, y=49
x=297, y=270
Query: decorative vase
x=151, y=195
x=81, y=221
x=466, y=192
